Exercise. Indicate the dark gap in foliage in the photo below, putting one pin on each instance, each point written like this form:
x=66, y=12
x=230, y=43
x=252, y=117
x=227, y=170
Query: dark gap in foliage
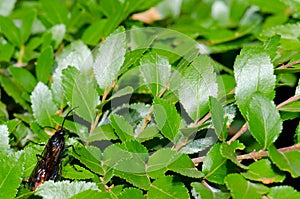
x=226, y=58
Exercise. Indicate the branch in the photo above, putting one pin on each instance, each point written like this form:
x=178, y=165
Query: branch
x=253, y=155
x=245, y=126
x=289, y=64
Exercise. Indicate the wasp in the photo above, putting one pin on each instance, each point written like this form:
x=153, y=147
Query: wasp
x=49, y=163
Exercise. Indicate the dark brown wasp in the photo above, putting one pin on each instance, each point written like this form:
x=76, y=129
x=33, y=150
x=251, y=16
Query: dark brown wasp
x=48, y=166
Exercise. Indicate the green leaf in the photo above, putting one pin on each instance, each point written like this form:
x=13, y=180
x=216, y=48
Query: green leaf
x=241, y=188
x=218, y=118
x=128, y=90
x=94, y=32
x=58, y=32
x=193, y=88
x=131, y=193
x=271, y=46
x=214, y=165
x=287, y=36
x=147, y=134
x=10, y=175
x=264, y=120
x=6, y=6
x=122, y=127
x=80, y=91
x=89, y=156
x=76, y=54
x=167, y=187
x=43, y=68
x=23, y=77
x=275, y=6
x=256, y=62
x=4, y=140
x=287, y=161
x=200, y=191
x=6, y=51
x=3, y=112
x=43, y=106
x=109, y=58
x=76, y=172
x=128, y=161
x=140, y=180
x=27, y=22
x=291, y=107
x=156, y=72
x=198, y=145
x=116, y=153
x=279, y=192
x=228, y=151
x=263, y=171
x=55, y=12
x=88, y=194
x=30, y=159
x=63, y=189
x=103, y=132
x=167, y=118
x=10, y=31
x=167, y=159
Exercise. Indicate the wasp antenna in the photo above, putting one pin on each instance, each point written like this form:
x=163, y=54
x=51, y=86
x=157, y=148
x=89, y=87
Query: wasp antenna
x=62, y=125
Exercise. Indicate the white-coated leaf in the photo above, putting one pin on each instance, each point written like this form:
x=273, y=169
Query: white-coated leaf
x=109, y=58
x=156, y=72
x=197, y=145
x=58, y=32
x=4, y=140
x=6, y=7
x=264, y=120
x=253, y=72
x=77, y=55
x=80, y=91
x=195, y=85
x=63, y=189
x=43, y=106
x=298, y=88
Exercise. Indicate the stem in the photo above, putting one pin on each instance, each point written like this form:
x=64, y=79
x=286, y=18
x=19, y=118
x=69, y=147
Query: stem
x=289, y=64
x=180, y=144
x=253, y=155
x=206, y=117
x=163, y=90
x=105, y=94
x=291, y=99
x=20, y=58
x=245, y=126
x=239, y=133
x=146, y=121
